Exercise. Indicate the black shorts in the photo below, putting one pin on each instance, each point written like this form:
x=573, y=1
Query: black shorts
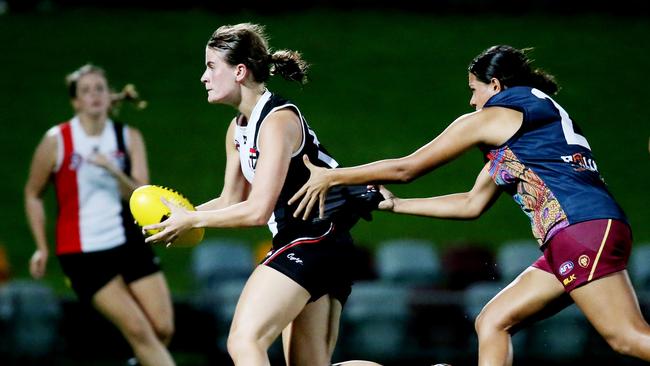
x=89, y=272
x=319, y=260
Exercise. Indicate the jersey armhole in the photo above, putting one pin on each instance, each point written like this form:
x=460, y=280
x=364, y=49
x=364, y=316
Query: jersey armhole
x=127, y=138
x=56, y=131
x=302, y=127
x=519, y=132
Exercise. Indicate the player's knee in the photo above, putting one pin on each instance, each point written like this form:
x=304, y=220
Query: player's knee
x=137, y=331
x=241, y=342
x=164, y=330
x=623, y=343
x=488, y=322
x=484, y=322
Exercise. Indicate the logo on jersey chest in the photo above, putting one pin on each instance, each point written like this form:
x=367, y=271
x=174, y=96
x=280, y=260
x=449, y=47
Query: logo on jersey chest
x=253, y=155
x=238, y=144
x=118, y=158
x=580, y=162
x=75, y=161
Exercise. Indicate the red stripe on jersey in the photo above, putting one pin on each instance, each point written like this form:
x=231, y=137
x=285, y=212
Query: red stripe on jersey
x=67, y=193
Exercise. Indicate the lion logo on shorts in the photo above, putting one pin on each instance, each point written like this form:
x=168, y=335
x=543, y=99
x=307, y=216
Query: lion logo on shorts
x=583, y=261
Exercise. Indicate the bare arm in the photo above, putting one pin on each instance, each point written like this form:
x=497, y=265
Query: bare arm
x=235, y=187
x=40, y=170
x=461, y=206
x=491, y=126
x=139, y=167
x=278, y=139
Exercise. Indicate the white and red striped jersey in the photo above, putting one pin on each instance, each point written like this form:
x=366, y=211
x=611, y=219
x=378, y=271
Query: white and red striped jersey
x=90, y=204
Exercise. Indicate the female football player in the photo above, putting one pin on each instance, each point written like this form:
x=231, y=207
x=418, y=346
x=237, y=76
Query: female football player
x=95, y=163
x=537, y=154
x=302, y=284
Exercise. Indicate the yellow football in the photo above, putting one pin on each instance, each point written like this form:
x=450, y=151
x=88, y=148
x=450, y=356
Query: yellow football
x=148, y=209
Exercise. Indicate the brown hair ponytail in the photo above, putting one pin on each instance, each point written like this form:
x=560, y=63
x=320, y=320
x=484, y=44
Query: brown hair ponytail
x=289, y=65
x=128, y=94
x=247, y=44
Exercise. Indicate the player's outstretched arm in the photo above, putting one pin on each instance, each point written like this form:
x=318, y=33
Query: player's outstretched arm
x=492, y=126
x=460, y=206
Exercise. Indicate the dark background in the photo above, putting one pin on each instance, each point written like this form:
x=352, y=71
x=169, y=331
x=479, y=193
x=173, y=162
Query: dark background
x=386, y=78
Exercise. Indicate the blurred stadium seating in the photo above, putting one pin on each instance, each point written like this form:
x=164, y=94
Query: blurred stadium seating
x=29, y=323
x=408, y=262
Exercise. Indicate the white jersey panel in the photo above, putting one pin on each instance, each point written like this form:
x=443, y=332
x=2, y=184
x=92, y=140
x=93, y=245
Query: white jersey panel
x=100, y=207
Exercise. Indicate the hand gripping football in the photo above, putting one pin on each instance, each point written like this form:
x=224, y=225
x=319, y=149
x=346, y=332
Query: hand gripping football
x=148, y=209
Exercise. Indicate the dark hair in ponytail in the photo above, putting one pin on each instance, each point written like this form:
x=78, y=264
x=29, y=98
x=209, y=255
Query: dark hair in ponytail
x=247, y=44
x=512, y=67
x=289, y=65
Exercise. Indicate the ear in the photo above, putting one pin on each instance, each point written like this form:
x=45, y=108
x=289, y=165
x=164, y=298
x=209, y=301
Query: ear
x=241, y=71
x=495, y=84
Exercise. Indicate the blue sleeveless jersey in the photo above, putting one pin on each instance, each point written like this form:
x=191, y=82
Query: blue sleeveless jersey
x=548, y=166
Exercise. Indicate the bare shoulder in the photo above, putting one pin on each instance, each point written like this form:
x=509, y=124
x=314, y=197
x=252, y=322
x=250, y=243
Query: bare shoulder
x=285, y=119
x=133, y=132
x=50, y=139
x=284, y=114
x=499, y=124
x=283, y=125
x=501, y=113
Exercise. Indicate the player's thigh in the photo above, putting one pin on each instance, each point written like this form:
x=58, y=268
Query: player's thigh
x=533, y=291
x=268, y=303
x=152, y=293
x=610, y=304
x=314, y=332
x=117, y=304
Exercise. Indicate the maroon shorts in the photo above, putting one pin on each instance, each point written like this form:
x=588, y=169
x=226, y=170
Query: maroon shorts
x=586, y=251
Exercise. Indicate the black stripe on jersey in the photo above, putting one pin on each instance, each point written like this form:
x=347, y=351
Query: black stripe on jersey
x=131, y=230
x=343, y=204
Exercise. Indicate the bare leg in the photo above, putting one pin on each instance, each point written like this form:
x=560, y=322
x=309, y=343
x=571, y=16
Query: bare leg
x=118, y=305
x=269, y=302
x=610, y=304
x=311, y=337
x=530, y=293
x=152, y=294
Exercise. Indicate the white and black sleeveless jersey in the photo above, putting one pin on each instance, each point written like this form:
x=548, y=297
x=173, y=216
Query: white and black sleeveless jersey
x=246, y=140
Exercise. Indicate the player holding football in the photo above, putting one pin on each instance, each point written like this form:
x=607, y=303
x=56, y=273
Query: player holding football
x=535, y=153
x=95, y=164
x=300, y=287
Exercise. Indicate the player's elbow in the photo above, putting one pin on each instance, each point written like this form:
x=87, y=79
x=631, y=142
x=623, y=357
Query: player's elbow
x=30, y=194
x=473, y=209
x=472, y=214
x=260, y=216
x=406, y=173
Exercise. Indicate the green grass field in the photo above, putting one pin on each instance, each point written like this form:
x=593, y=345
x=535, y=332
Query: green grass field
x=382, y=84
